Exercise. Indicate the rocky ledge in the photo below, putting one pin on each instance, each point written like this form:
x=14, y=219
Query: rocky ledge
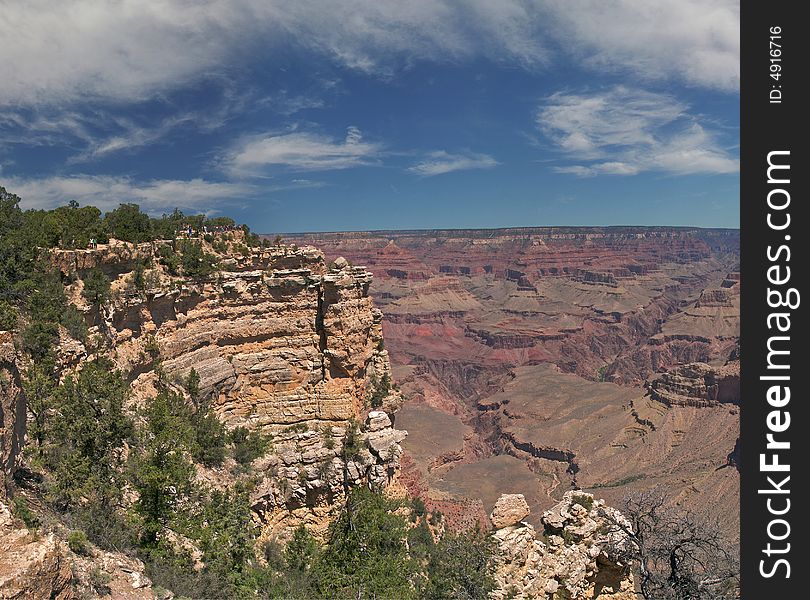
x=573, y=557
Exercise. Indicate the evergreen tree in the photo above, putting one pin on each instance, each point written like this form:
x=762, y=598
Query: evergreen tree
x=86, y=434
x=162, y=471
x=366, y=554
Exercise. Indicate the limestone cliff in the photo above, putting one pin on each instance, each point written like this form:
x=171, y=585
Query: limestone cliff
x=573, y=557
x=281, y=341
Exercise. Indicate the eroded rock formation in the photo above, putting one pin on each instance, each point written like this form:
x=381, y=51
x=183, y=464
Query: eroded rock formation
x=282, y=343
x=698, y=384
x=12, y=412
x=574, y=556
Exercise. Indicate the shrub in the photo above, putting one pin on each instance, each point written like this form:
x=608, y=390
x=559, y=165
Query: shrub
x=380, y=388
x=24, y=512
x=39, y=338
x=583, y=500
x=151, y=346
x=366, y=554
x=8, y=316
x=194, y=261
x=161, y=473
x=96, y=287
x=209, y=437
x=86, y=434
x=100, y=581
x=73, y=321
x=77, y=542
x=169, y=259
x=351, y=441
x=301, y=550
x=128, y=223
x=248, y=444
x=459, y=567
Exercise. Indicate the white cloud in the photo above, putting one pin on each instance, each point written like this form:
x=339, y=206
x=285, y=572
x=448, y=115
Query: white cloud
x=107, y=192
x=58, y=51
x=440, y=162
x=695, y=41
x=624, y=132
x=299, y=151
x=81, y=51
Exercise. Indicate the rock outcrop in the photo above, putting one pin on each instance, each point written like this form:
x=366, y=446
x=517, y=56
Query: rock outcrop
x=509, y=510
x=698, y=384
x=282, y=343
x=575, y=556
x=32, y=567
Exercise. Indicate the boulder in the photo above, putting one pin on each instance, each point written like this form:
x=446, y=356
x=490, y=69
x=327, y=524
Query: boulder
x=509, y=510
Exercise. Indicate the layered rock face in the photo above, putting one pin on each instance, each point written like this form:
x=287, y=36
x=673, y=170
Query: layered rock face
x=698, y=384
x=282, y=343
x=534, y=346
x=574, y=556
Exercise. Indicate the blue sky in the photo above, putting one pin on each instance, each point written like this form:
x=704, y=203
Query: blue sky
x=301, y=115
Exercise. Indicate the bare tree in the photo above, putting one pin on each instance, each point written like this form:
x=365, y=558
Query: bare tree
x=678, y=554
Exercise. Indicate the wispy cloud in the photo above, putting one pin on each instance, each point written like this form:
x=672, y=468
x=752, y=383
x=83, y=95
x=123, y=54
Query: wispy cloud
x=441, y=162
x=94, y=133
x=107, y=192
x=693, y=41
x=299, y=151
x=58, y=52
x=625, y=132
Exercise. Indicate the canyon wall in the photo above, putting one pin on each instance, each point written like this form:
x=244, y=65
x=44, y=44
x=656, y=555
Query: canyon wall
x=599, y=358
x=282, y=343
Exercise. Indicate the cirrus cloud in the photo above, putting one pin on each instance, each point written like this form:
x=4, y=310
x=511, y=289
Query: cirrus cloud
x=69, y=51
x=299, y=151
x=441, y=162
x=624, y=132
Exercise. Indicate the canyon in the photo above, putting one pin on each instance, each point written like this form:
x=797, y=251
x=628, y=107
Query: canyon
x=570, y=367
x=541, y=360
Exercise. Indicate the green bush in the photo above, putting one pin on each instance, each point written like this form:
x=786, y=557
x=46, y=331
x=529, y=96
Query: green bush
x=366, y=553
x=583, y=500
x=209, y=437
x=161, y=472
x=248, y=444
x=78, y=543
x=196, y=262
x=459, y=567
x=8, y=316
x=129, y=224
x=86, y=433
x=73, y=321
x=21, y=509
x=379, y=390
x=169, y=259
x=39, y=338
x=352, y=443
x=96, y=287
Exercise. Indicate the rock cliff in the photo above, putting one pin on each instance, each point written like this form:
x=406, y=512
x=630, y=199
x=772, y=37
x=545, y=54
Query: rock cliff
x=698, y=384
x=282, y=342
x=32, y=567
